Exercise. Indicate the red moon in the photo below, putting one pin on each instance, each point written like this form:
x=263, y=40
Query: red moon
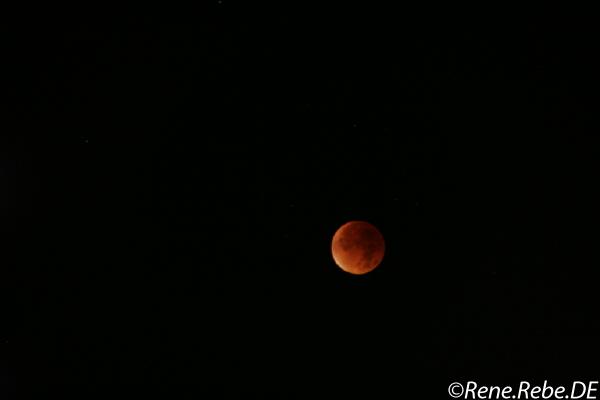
x=357, y=247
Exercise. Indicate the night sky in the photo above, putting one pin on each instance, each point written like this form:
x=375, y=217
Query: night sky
x=176, y=179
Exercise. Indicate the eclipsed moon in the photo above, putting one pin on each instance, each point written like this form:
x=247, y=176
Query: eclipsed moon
x=357, y=247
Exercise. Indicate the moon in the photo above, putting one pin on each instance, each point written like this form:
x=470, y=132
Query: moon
x=357, y=247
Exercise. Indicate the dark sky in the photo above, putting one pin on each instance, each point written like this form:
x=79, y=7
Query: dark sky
x=181, y=174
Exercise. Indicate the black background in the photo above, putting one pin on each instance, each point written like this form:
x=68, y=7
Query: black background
x=177, y=178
